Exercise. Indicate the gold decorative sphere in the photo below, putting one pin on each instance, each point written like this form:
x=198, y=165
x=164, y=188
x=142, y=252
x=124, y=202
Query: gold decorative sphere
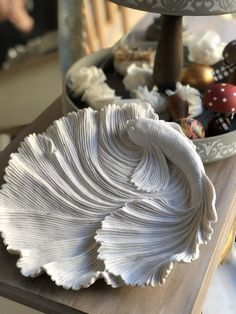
x=198, y=75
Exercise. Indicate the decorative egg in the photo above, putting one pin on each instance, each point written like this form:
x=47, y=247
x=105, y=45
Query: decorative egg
x=221, y=97
x=192, y=128
x=198, y=75
x=177, y=106
x=229, y=55
x=219, y=125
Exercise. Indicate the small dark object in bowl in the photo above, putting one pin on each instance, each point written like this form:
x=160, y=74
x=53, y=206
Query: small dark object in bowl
x=219, y=125
x=177, y=107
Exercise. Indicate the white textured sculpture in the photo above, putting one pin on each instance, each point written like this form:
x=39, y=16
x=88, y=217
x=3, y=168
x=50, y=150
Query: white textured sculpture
x=152, y=97
x=138, y=76
x=116, y=194
x=89, y=82
x=99, y=95
x=80, y=80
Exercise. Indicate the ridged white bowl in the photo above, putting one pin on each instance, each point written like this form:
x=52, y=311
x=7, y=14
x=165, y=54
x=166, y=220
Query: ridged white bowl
x=115, y=194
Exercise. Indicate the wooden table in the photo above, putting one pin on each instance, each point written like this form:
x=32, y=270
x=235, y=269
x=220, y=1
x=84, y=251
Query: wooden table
x=184, y=290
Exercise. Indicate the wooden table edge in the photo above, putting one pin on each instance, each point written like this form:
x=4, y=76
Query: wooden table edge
x=36, y=302
x=217, y=253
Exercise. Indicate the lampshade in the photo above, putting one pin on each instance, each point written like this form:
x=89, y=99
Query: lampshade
x=181, y=7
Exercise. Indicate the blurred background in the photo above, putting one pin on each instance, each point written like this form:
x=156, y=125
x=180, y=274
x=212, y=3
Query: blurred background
x=39, y=40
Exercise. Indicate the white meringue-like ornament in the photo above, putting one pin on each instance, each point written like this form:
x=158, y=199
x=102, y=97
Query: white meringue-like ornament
x=138, y=76
x=97, y=191
x=99, y=95
x=207, y=50
x=153, y=97
x=191, y=95
x=85, y=77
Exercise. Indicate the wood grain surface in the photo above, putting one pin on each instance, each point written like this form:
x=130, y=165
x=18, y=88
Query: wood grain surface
x=184, y=290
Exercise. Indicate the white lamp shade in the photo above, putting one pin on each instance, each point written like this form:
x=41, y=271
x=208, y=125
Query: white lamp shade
x=181, y=7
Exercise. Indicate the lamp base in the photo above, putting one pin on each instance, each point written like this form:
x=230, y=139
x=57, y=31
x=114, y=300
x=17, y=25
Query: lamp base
x=169, y=57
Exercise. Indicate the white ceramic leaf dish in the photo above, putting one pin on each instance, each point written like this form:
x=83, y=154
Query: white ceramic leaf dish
x=115, y=194
x=210, y=149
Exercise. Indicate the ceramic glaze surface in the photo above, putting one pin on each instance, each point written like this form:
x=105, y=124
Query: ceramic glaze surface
x=115, y=194
x=181, y=7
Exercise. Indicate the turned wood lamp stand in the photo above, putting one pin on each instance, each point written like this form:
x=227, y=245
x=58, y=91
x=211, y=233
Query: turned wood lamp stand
x=169, y=56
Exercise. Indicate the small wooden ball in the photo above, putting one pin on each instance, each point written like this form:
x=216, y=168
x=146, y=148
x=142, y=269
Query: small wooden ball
x=192, y=128
x=198, y=75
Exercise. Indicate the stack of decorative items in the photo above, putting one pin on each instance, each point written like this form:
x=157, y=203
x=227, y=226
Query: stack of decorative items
x=154, y=76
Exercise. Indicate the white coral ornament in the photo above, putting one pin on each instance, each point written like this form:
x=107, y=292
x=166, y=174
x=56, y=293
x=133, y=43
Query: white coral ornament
x=80, y=80
x=138, y=76
x=99, y=95
x=207, y=50
x=99, y=190
x=155, y=99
